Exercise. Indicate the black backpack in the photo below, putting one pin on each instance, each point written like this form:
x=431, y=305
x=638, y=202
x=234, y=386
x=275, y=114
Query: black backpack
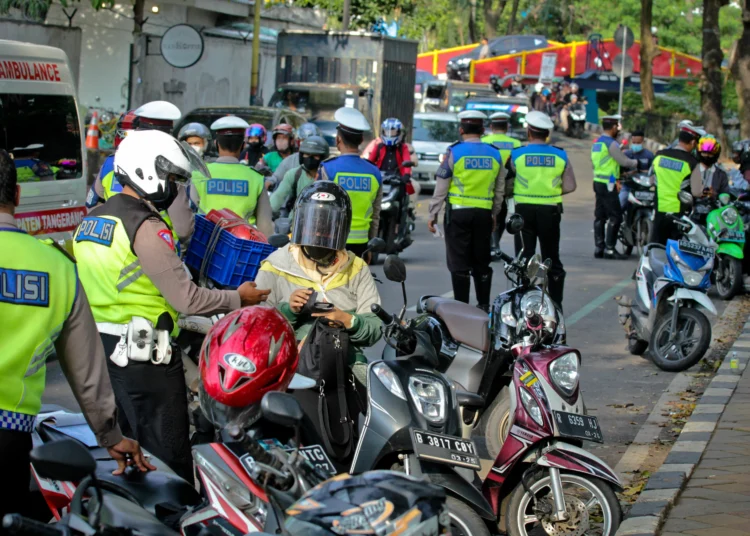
x=323, y=358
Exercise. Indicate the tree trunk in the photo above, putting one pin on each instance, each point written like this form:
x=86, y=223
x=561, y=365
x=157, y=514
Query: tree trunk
x=740, y=67
x=139, y=7
x=648, y=53
x=473, y=30
x=711, y=79
x=513, y=15
x=492, y=17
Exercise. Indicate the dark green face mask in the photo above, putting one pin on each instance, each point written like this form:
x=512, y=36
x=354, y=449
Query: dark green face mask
x=322, y=256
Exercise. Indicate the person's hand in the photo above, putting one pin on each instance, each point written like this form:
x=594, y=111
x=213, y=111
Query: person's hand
x=298, y=299
x=128, y=453
x=431, y=226
x=337, y=315
x=250, y=295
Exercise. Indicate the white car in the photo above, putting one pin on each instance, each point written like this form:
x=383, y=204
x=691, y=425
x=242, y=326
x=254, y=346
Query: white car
x=432, y=133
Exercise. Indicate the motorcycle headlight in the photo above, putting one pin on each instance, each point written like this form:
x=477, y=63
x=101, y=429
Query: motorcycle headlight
x=533, y=299
x=506, y=315
x=729, y=215
x=531, y=406
x=388, y=379
x=692, y=279
x=428, y=395
x=564, y=374
x=386, y=205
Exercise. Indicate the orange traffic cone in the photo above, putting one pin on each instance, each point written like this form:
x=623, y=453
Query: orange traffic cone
x=92, y=134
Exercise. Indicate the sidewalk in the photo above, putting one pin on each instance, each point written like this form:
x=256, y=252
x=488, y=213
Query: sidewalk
x=716, y=498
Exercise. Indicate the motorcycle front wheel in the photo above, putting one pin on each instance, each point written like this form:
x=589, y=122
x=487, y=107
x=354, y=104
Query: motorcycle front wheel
x=591, y=505
x=728, y=277
x=495, y=423
x=690, y=345
x=464, y=520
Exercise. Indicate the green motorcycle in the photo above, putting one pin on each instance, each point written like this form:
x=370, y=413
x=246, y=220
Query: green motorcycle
x=725, y=227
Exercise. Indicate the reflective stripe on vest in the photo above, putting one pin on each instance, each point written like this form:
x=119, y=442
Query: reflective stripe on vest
x=38, y=287
x=503, y=143
x=605, y=167
x=539, y=170
x=233, y=186
x=111, y=273
x=670, y=174
x=475, y=170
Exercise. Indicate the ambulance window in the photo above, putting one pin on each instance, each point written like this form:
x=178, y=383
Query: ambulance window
x=43, y=134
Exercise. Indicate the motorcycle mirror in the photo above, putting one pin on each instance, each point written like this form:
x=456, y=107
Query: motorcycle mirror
x=686, y=200
x=394, y=269
x=532, y=268
x=66, y=460
x=282, y=409
x=375, y=245
x=514, y=224
x=278, y=240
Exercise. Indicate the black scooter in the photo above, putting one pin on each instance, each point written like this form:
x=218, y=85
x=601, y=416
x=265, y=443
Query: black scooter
x=395, y=217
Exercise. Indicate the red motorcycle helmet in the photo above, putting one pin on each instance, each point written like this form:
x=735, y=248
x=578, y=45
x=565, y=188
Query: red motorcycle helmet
x=246, y=354
x=125, y=124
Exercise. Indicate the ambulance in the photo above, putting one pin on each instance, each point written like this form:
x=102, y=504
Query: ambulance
x=41, y=128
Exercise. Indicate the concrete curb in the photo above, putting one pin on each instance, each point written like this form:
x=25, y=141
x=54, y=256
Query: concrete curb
x=665, y=485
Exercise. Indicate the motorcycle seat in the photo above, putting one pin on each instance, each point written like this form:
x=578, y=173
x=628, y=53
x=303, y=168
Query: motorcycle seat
x=657, y=258
x=117, y=511
x=466, y=324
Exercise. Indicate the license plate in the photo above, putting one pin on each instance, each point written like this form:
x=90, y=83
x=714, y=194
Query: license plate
x=739, y=236
x=445, y=449
x=318, y=457
x=695, y=249
x=644, y=196
x=702, y=209
x=578, y=426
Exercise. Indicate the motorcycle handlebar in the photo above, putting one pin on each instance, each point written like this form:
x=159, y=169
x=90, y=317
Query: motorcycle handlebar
x=17, y=524
x=506, y=258
x=381, y=313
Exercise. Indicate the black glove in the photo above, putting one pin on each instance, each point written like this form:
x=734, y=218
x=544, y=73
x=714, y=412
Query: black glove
x=407, y=177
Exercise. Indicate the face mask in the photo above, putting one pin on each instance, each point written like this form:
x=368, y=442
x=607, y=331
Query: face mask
x=282, y=145
x=708, y=160
x=322, y=256
x=200, y=149
x=310, y=163
x=637, y=147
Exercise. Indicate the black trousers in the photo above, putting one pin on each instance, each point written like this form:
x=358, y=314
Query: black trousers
x=497, y=234
x=607, y=211
x=152, y=407
x=357, y=249
x=663, y=229
x=16, y=475
x=468, y=233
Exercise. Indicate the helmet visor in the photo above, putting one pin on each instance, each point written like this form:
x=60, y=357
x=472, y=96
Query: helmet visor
x=198, y=169
x=320, y=225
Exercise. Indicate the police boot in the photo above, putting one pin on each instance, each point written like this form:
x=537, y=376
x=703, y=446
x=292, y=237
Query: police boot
x=556, y=286
x=598, y=239
x=611, y=251
x=461, y=286
x=483, y=289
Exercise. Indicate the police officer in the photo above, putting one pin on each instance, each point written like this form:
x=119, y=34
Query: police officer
x=607, y=159
x=361, y=179
x=539, y=175
x=44, y=309
x=471, y=177
x=294, y=160
x=675, y=169
x=505, y=144
x=137, y=285
x=233, y=185
x=155, y=115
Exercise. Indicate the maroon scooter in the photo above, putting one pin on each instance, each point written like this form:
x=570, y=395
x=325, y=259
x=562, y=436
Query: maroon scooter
x=543, y=481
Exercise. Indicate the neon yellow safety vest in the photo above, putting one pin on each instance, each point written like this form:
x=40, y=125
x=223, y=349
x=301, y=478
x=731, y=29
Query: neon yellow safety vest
x=233, y=186
x=504, y=143
x=670, y=174
x=361, y=180
x=475, y=170
x=539, y=169
x=605, y=167
x=37, y=291
x=110, y=272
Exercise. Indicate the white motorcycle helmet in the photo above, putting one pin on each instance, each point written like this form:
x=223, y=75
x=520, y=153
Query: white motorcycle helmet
x=152, y=162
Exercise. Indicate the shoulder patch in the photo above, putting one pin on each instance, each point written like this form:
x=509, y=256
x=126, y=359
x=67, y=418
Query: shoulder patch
x=166, y=235
x=97, y=230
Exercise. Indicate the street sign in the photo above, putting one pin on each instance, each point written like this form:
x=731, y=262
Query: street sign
x=624, y=37
x=181, y=46
x=547, y=70
x=622, y=71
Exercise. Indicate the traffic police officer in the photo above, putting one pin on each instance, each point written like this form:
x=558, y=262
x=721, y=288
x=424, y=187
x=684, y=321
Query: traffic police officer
x=675, y=169
x=505, y=144
x=361, y=179
x=539, y=175
x=234, y=185
x=45, y=310
x=137, y=286
x=155, y=115
x=471, y=177
x=607, y=159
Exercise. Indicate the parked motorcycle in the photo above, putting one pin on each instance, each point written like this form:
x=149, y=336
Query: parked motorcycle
x=577, y=121
x=667, y=316
x=725, y=227
x=396, y=215
x=636, y=228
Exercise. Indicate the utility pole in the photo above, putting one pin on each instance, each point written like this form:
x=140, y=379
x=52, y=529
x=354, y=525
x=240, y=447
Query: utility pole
x=255, y=73
x=345, y=18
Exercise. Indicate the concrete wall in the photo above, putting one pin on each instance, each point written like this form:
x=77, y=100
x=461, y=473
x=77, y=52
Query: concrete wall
x=68, y=39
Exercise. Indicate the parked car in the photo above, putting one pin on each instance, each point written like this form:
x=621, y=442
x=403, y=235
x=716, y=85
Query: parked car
x=451, y=95
x=458, y=67
x=431, y=135
x=517, y=107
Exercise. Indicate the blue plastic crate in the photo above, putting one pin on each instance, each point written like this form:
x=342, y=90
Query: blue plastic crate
x=233, y=261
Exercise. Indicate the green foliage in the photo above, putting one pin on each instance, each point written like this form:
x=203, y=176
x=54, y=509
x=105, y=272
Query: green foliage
x=37, y=9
